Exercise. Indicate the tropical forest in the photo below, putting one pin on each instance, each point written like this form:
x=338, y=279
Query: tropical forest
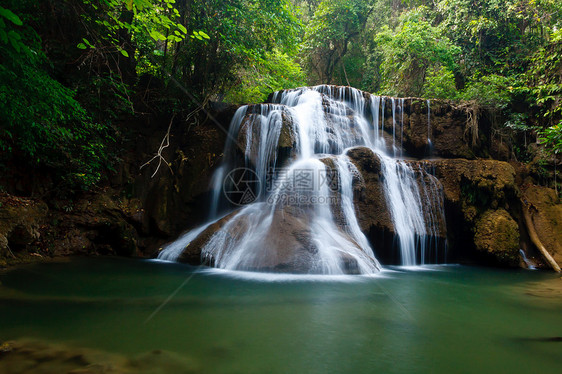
x=280, y=186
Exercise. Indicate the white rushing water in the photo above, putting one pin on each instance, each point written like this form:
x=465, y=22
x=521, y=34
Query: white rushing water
x=324, y=122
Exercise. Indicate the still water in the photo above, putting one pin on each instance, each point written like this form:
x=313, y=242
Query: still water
x=438, y=319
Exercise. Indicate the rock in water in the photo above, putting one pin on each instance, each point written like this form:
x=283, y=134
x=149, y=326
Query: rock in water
x=497, y=235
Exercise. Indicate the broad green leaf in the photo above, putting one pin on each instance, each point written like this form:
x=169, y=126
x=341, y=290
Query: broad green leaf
x=157, y=35
x=204, y=35
x=9, y=15
x=124, y=53
x=81, y=46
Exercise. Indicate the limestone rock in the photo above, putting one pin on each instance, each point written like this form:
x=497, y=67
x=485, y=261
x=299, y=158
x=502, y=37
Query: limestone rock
x=20, y=221
x=497, y=235
x=478, y=182
x=471, y=189
x=252, y=127
x=290, y=247
x=372, y=210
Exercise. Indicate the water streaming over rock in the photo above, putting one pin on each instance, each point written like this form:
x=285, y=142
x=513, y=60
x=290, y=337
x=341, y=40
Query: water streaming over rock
x=292, y=153
x=429, y=143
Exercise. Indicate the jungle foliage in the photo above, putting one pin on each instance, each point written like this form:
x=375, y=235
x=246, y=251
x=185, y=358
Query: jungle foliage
x=71, y=69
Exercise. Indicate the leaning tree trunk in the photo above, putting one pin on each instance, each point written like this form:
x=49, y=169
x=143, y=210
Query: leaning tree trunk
x=535, y=239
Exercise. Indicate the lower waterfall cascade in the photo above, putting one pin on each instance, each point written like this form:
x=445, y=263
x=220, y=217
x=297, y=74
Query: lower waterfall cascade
x=287, y=164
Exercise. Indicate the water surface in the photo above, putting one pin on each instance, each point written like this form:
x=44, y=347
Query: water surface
x=436, y=319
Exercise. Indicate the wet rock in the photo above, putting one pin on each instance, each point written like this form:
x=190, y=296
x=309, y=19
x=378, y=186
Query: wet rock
x=36, y=356
x=473, y=188
x=251, y=128
x=497, y=235
x=192, y=252
x=546, y=212
x=371, y=207
x=20, y=221
x=176, y=197
x=372, y=210
x=290, y=247
x=446, y=133
x=476, y=182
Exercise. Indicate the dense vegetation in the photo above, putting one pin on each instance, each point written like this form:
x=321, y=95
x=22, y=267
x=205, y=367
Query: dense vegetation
x=71, y=68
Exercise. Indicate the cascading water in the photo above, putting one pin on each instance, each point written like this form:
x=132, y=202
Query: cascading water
x=429, y=143
x=312, y=227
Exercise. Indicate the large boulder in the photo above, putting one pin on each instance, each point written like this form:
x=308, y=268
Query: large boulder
x=287, y=244
x=371, y=207
x=497, y=236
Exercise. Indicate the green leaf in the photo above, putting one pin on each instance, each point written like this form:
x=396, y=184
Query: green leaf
x=204, y=35
x=157, y=35
x=182, y=28
x=124, y=53
x=15, y=44
x=87, y=42
x=81, y=46
x=14, y=35
x=9, y=15
x=3, y=36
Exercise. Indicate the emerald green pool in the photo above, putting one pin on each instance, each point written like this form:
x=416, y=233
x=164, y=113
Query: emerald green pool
x=438, y=319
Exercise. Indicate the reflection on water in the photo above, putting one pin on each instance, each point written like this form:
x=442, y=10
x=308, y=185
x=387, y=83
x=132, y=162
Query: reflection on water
x=431, y=319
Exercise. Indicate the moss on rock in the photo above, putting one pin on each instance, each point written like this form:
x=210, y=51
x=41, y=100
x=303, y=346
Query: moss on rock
x=497, y=235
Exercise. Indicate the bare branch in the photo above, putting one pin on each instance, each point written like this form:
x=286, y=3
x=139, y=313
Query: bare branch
x=163, y=145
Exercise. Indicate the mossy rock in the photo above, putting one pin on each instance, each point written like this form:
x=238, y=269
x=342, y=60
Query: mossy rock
x=497, y=235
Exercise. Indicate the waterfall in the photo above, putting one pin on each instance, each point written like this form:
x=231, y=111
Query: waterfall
x=303, y=135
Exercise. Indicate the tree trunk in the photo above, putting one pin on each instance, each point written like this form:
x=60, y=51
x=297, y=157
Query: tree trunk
x=535, y=239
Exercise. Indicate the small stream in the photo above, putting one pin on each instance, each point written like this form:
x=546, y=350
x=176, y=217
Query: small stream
x=437, y=319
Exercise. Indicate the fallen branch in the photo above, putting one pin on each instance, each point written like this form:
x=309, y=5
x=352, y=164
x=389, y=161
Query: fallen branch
x=535, y=238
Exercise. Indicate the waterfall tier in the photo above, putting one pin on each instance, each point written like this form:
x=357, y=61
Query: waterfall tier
x=314, y=182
